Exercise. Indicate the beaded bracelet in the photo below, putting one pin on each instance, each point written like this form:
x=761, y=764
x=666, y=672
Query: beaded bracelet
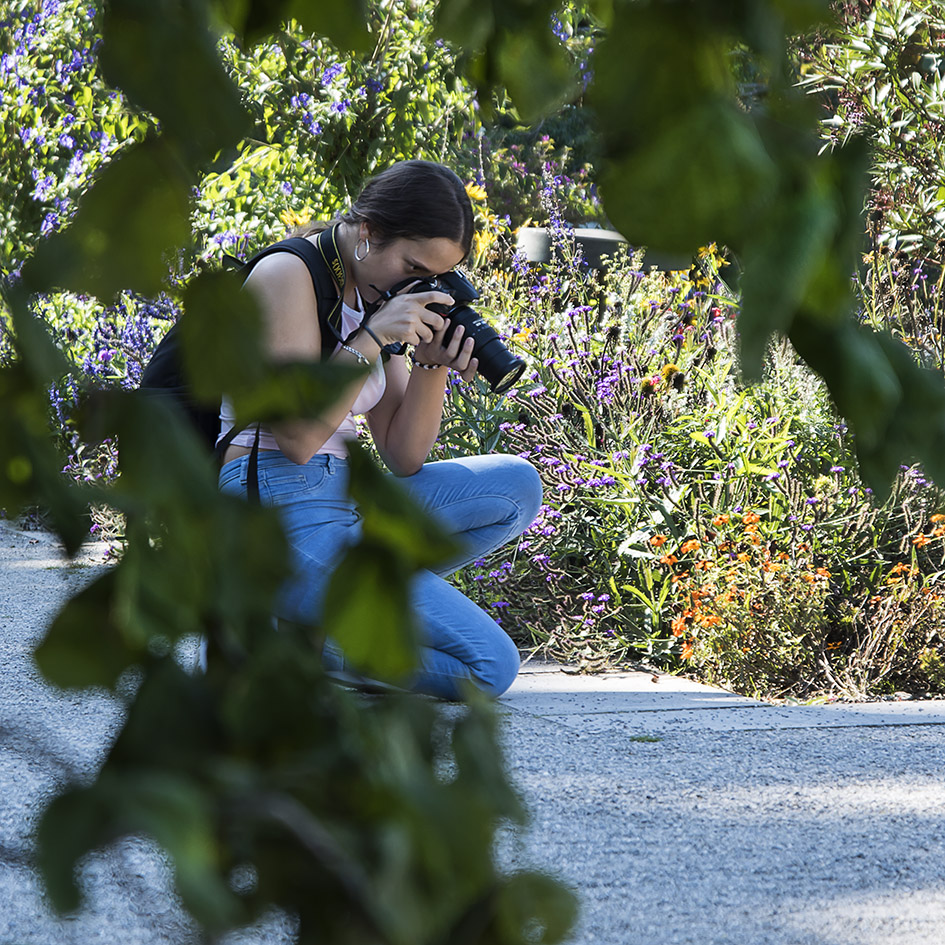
x=361, y=358
x=426, y=367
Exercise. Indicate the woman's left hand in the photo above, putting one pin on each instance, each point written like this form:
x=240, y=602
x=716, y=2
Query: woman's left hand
x=456, y=355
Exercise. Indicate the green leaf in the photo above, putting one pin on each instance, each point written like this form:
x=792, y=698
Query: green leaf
x=163, y=55
x=161, y=456
x=779, y=266
x=41, y=356
x=136, y=213
x=535, y=70
x=74, y=823
x=722, y=192
x=30, y=464
x=176, y=812
x=535, y=908
x=802, y=15
x=392, y=518
x=85, y=646
x=222, y=318
x=468, y=23
x=343, y=22
x=367, y=612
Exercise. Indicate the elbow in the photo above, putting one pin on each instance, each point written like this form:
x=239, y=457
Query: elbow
x=298, y=456
x=402, y=469
x=296, y=451
x=402, y=472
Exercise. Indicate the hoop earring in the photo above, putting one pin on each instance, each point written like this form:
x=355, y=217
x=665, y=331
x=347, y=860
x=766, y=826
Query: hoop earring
x=367, y=249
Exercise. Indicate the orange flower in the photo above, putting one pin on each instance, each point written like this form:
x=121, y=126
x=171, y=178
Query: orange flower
x=769, y=566
x=938, y=518
x=807, y=576
x=691, y=545
x=702, y=565
x=687, y=651
x=708, y=620
x=822, y=572
x=920, y=541
x=679, y=625
x=669, y=559
x=743, y=556
x=720, y=520
x=658, y=540
x=750, y=518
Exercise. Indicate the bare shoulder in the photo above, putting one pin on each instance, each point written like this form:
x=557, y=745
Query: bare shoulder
x=282, y=285
x=280, y=273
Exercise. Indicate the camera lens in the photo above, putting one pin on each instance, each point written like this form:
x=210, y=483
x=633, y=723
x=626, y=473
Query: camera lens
x=496, y=363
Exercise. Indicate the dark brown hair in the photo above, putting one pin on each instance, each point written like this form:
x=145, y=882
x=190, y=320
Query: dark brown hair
x=413, y=200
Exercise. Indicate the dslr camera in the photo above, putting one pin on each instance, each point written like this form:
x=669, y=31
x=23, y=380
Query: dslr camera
x=496, y=363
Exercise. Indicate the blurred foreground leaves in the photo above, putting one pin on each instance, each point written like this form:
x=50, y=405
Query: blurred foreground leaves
x=266, y=784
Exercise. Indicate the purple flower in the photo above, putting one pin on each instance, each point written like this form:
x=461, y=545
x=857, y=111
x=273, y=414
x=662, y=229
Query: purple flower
x=332, y=73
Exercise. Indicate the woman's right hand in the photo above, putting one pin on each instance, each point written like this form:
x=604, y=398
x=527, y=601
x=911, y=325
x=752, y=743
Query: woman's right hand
x=406, y=318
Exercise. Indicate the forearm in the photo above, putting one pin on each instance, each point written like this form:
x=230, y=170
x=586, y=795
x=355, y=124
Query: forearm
x=415, y=425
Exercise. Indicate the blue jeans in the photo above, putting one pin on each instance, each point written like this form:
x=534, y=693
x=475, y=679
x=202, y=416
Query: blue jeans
x=484, y=501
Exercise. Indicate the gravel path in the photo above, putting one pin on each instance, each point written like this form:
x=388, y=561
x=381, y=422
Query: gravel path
x=686, y=820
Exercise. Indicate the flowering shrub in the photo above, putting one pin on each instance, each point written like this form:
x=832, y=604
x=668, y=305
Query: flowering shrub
x=690, y=521
x=882, y=74
x=58, y=120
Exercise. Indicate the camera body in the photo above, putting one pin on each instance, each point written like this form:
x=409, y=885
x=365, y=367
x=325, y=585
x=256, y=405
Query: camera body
x=496, y=363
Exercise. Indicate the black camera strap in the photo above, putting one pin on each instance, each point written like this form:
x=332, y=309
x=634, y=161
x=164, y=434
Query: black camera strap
x=327, y=244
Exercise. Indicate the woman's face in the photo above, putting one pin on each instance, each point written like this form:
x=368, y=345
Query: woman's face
x=404, y=259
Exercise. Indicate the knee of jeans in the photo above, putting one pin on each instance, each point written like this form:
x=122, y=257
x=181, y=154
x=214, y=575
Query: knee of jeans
x=528, y=489
x=496, y=675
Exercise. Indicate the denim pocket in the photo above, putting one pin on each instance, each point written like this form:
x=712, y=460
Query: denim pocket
x=281, y=483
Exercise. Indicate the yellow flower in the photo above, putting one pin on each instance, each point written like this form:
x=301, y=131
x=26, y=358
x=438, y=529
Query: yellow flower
x=294, y=218
x=476, y=193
